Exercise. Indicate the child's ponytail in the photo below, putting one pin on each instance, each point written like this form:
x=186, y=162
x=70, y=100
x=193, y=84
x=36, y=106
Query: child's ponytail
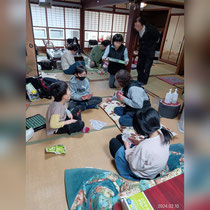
x=147, y=122
x=167, y=135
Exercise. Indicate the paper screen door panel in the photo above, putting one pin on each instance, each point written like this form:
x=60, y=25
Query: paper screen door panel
x=178, y=40
x=119, y=23
x=105, y=20
x=91, y=20
x=169, y=37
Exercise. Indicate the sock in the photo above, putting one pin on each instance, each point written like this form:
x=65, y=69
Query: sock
x=85, y=130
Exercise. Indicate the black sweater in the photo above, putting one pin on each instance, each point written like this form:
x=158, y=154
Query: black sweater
x=149, y=40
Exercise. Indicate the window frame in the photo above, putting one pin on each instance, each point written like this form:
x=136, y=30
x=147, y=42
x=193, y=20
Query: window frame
x=47, y=28
x=56, y=29
x=39, y=28
x=112, y=32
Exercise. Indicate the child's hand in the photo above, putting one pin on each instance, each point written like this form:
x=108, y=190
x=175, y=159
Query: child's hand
x=70, y=116
x=108, y=100
x=89, y=96
x=84, y=97
x=127, y=145
x=119, y=96
x=126, y=63
x=67, y=122
x=133, y=141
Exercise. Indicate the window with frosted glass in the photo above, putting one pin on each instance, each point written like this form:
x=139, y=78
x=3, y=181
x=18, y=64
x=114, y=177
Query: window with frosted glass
x=55, y=16
x=38, y=15
x=72, y=33
x=119, y=23
x=56, y=33
x=91, y=20
x=72, y=18
x=91, y=35
x=40, y=33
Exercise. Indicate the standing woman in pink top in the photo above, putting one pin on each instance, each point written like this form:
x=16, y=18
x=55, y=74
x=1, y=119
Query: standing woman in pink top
x=145, y=159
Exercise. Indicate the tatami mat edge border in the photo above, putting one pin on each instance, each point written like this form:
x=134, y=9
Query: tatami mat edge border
x=55, y=137
x=49, y=103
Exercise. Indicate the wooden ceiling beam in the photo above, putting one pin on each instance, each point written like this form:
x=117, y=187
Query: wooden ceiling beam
x=166, y=3
x=60, y=3
x=87, y=4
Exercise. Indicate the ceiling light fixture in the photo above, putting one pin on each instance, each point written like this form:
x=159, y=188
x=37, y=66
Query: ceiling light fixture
x=142, y=5
x=136, y=5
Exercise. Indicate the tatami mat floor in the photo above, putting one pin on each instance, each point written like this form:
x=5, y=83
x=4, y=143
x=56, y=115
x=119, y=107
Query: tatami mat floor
x=45, y=172
x=45, y=187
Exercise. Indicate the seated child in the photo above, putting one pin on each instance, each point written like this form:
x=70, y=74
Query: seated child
x=59, y=119
x=132, y=95
x=118, y=51
x=68, y=63
x=75, y=41
x=80, y=91
x=97, y=53
x=145, y=159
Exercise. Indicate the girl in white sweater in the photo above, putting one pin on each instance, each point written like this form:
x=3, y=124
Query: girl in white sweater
x=68, y=62
x=146, y=159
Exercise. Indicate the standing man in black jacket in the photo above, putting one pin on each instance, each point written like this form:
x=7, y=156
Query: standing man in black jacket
x=148, y=37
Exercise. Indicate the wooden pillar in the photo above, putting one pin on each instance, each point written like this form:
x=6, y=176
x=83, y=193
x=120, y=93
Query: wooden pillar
x=180, y=63
x=131, y=34
x=31, y=65
x=165, y=32
x=82, y=31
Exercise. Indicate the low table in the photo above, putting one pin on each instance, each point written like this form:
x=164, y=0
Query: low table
x=55, y=55
x=167, y=195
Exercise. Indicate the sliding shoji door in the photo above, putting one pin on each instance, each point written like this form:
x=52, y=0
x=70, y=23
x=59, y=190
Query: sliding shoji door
x=174, y=40
x=91, y=26
x=105, y=26
x=119, y=25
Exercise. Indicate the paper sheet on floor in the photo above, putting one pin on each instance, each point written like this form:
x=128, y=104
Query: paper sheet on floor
x=97, y=125
x=53, y=76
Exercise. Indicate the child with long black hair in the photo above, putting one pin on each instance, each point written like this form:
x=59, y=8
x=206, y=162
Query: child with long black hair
x=75, y=42
x=145, y=159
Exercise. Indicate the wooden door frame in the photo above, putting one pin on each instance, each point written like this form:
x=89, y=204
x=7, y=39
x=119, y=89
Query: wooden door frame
x=164, y=38
x=157, y=9
x=180, y=60
x=137, y=36
x=35, y=72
